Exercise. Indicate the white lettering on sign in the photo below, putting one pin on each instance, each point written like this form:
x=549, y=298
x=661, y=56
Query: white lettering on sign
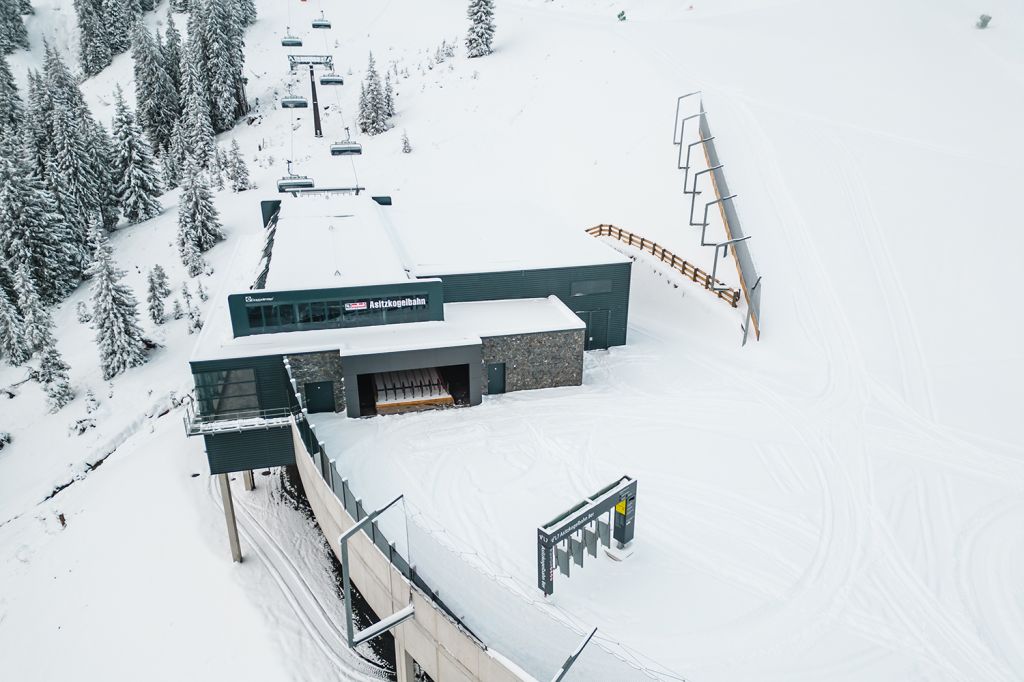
x=253, y=299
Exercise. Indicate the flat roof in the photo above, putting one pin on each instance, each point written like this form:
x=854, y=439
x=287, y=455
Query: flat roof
x=458, y=238
x=338, y=241
x=513, y=316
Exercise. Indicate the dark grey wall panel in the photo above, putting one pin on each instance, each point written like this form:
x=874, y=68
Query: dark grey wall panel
x=260, y=449
x=486, y=286
x=271, y=379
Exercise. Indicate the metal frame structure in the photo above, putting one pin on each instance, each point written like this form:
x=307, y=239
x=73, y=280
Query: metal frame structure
x=694, y=193
x=704, y=225
x=384, y=624
x=724, y=248
x=572, y=657
x=325, y=60
x=617, y=498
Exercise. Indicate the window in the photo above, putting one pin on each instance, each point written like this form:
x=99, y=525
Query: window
x=271, y=318
x=287, y=313
x=591, y=286
x=317, y=312
x=255, y=317
x=334, y=310
x=304, y=313
x=226, y=391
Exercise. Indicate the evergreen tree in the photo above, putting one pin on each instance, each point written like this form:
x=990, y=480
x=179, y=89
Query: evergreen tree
x=26, y=7
x=198, y=223
x=158, y=101
x=159, y=277
x=246, y=11
x=172, y=52
x=197, y=128
x=82, y=313
x=53, y=372
x=118, y=18
x=238, y=173
x=12, y=343
x=10, y=102
x=137, y=186
x=389, y=97
x=35, y=233
x=155, y=298
x=224, y=59
x=481, y=27
x=36, y=125
x=373, y=106
x=176, y=312
x=13, y=34
x=94, y=42
x=36, y=325
x=147, y=5
x=70, y=177
x=103, y=156
x=180, y=5
x=406, y=147
x=118, y=335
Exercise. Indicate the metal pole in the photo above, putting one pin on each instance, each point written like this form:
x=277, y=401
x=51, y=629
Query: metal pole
x=229, y=517
x=675, y=121
x=250, y=482
x=694, y=193
x=686, y=168
x=572, y=658
x=317, y=129
x=704, y=226
x=724, y=246
x=682, y=128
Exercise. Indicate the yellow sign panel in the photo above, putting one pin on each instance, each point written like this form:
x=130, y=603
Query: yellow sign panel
x=621, y=507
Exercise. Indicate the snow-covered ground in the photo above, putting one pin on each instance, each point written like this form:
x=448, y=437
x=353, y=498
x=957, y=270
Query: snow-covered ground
x=842, y=500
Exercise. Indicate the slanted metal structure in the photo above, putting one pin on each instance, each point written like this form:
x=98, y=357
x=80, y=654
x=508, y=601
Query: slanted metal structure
x=582, y=527
x=297, y=60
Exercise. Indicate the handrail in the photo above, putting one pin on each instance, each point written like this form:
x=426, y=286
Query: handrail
x=237, y=420
x=689, y=270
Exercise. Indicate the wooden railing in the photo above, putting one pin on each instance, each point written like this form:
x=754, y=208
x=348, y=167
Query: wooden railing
x=688, y=270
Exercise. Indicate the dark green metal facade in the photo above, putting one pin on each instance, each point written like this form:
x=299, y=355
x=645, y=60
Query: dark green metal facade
x=247, y=450
x=489, y=286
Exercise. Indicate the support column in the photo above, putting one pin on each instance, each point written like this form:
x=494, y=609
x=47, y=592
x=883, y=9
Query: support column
x=250, y=482
x=229, y=517
x=404, y=669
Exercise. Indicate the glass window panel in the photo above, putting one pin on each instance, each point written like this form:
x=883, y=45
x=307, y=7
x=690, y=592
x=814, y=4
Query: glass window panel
x=271, y=318
x=592, y=286
x=255, y=317
x=318, y=312
x=304, y=313
x=333, y=310
x=287, y=314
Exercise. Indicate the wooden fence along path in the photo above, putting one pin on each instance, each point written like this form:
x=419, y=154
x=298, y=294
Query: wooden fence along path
x=689, y=270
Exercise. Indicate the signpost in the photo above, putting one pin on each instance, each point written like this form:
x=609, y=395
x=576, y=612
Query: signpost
x=617, y=499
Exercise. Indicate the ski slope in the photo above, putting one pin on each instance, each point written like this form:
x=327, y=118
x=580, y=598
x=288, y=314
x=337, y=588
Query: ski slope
x=842, y=500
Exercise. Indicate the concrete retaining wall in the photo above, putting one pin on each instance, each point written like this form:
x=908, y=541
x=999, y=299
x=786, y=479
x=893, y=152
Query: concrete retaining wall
x=445, y=651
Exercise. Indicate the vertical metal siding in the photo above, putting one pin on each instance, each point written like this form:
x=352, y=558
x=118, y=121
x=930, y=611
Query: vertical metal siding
x=229, y=452
x=487, y=286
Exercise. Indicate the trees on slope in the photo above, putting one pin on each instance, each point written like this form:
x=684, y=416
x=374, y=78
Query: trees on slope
x=114, y=310
x=94, y=49
x=238, y=173
x=158, y=101
x=137, y=183
x=13, y=34
x=12, y=343
x=156, y=291
x=481, y=28
x=53, y=374
x=373, y=102
x=199, y=225
x=10, y=102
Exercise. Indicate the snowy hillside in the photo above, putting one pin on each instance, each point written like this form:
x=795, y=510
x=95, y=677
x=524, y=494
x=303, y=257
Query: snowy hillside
x=841, y=500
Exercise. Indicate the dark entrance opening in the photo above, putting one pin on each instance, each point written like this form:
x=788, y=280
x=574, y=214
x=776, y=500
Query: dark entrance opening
x=495, y=378
x=413, y=390
x=320, y=397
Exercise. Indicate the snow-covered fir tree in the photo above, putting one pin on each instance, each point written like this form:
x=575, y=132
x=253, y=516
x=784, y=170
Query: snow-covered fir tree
x=70, y=177
x=82, y=313
x=180, y=5
x=91, y=402
x=159, y=277
x=155, y=298
x=53, y=372
x=224, y=59
x=12, y=342
x=406, y=146
x=103, y=157
x=26, y=7
x=197, y=128
x=172, y=52
x=36, y=324
x=93, y=47
x=201, y=292
x=238, y=172
x=172, y=160
x=481, y=28
x=10, y=103
x=13, y=34
x=389, y=97
x=114, y=311
x=138, y=186
x=34, y=232
x=118, y=18
x=199, y=226
x=246, y=10
x=158, y=100
x=176, y=311
x=373, y=107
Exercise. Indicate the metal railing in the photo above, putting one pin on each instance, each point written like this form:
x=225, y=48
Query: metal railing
x=197, y=424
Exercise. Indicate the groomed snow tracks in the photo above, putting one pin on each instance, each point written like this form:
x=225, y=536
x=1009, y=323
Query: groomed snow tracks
x=688, y=270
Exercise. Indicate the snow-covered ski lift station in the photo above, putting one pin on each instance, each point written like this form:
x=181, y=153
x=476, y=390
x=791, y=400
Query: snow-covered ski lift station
x=378, y=309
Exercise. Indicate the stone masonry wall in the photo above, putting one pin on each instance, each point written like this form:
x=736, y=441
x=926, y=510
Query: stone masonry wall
x=541, y=360
x=309, y=368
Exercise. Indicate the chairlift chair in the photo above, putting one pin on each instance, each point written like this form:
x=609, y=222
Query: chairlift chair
x=346, y=147
x=322, y=22
x=292, y=181
x=294, y=102
x=331, y=79
x=290, y=40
